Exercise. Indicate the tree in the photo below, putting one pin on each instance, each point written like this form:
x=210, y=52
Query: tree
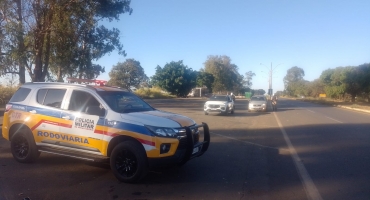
x=279, y=93
x=226, y=75
x=127, y=74
x=365, y=80
x=352, y=80
x=13, y=52
x=175, y=78
x=205, y=79
x=333, y=80
x=298, y=88
x=248, y=79
x=293, y=74
x=259, y=92
x=293, y=80
x=61, y=35
x=316, y=88
x=238, y=84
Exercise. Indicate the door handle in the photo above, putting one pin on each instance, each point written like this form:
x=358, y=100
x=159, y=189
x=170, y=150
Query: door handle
x=65, y=117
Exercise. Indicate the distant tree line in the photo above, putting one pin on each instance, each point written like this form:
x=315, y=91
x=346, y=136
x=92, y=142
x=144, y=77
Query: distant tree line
x=219, y=75
x=339, y=83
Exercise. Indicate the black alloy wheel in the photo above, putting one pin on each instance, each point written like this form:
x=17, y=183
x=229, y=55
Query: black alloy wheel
x=126, y=163
x=23, y=147
x=129, y=162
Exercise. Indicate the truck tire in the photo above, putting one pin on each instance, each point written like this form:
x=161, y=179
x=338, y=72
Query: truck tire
x=129, y=162
x=23, y=147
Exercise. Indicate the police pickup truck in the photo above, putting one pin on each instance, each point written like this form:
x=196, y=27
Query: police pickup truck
x=99, y=123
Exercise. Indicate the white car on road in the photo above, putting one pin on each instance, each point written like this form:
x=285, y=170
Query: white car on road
x=219, y=104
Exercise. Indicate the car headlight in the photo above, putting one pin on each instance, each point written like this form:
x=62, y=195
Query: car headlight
x=166, y=132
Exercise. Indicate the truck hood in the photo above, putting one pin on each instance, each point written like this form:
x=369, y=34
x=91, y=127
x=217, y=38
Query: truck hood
x=158, y=118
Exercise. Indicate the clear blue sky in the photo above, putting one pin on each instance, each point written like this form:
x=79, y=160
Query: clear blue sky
x=312, y=34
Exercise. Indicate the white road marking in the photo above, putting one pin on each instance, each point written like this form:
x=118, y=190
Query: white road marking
x=310, y=111
x=333, y=119
x=310, y=188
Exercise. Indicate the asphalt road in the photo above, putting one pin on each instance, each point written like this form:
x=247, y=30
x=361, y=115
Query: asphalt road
x=302, y=151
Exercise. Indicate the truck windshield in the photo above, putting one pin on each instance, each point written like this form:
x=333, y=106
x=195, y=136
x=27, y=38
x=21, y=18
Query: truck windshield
x=124, y=102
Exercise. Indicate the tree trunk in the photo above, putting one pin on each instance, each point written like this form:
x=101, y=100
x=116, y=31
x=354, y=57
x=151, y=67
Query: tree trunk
x=21, y=48
x=39, y=41
x=47, y=48
x=59, y=74
x=353, y=98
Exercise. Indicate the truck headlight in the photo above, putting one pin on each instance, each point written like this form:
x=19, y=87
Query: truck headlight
x=166, y=132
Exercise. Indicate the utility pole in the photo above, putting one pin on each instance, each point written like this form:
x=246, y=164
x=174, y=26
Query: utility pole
x=270, y=91
x=270, y=82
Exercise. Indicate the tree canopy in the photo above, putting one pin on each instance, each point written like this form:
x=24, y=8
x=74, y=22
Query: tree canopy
x=340, y=82
x=127, y=74
x=259, y=92
x=62, y=36
x=293, y=81
x=226, y=75
x=176, y=78
x=294, y=74
x=346, y=80
x=248, y=79
x=205, y=79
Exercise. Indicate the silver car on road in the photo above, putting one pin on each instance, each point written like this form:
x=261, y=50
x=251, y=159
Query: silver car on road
x=258, y=103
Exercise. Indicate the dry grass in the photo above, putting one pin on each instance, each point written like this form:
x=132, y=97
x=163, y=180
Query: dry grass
x=327, y=101
x=6, y=92
x=152, y=93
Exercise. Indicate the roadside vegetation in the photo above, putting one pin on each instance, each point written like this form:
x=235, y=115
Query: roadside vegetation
x=359, y=104
x=6, y=92
x=153, y=93
x=351, y=83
